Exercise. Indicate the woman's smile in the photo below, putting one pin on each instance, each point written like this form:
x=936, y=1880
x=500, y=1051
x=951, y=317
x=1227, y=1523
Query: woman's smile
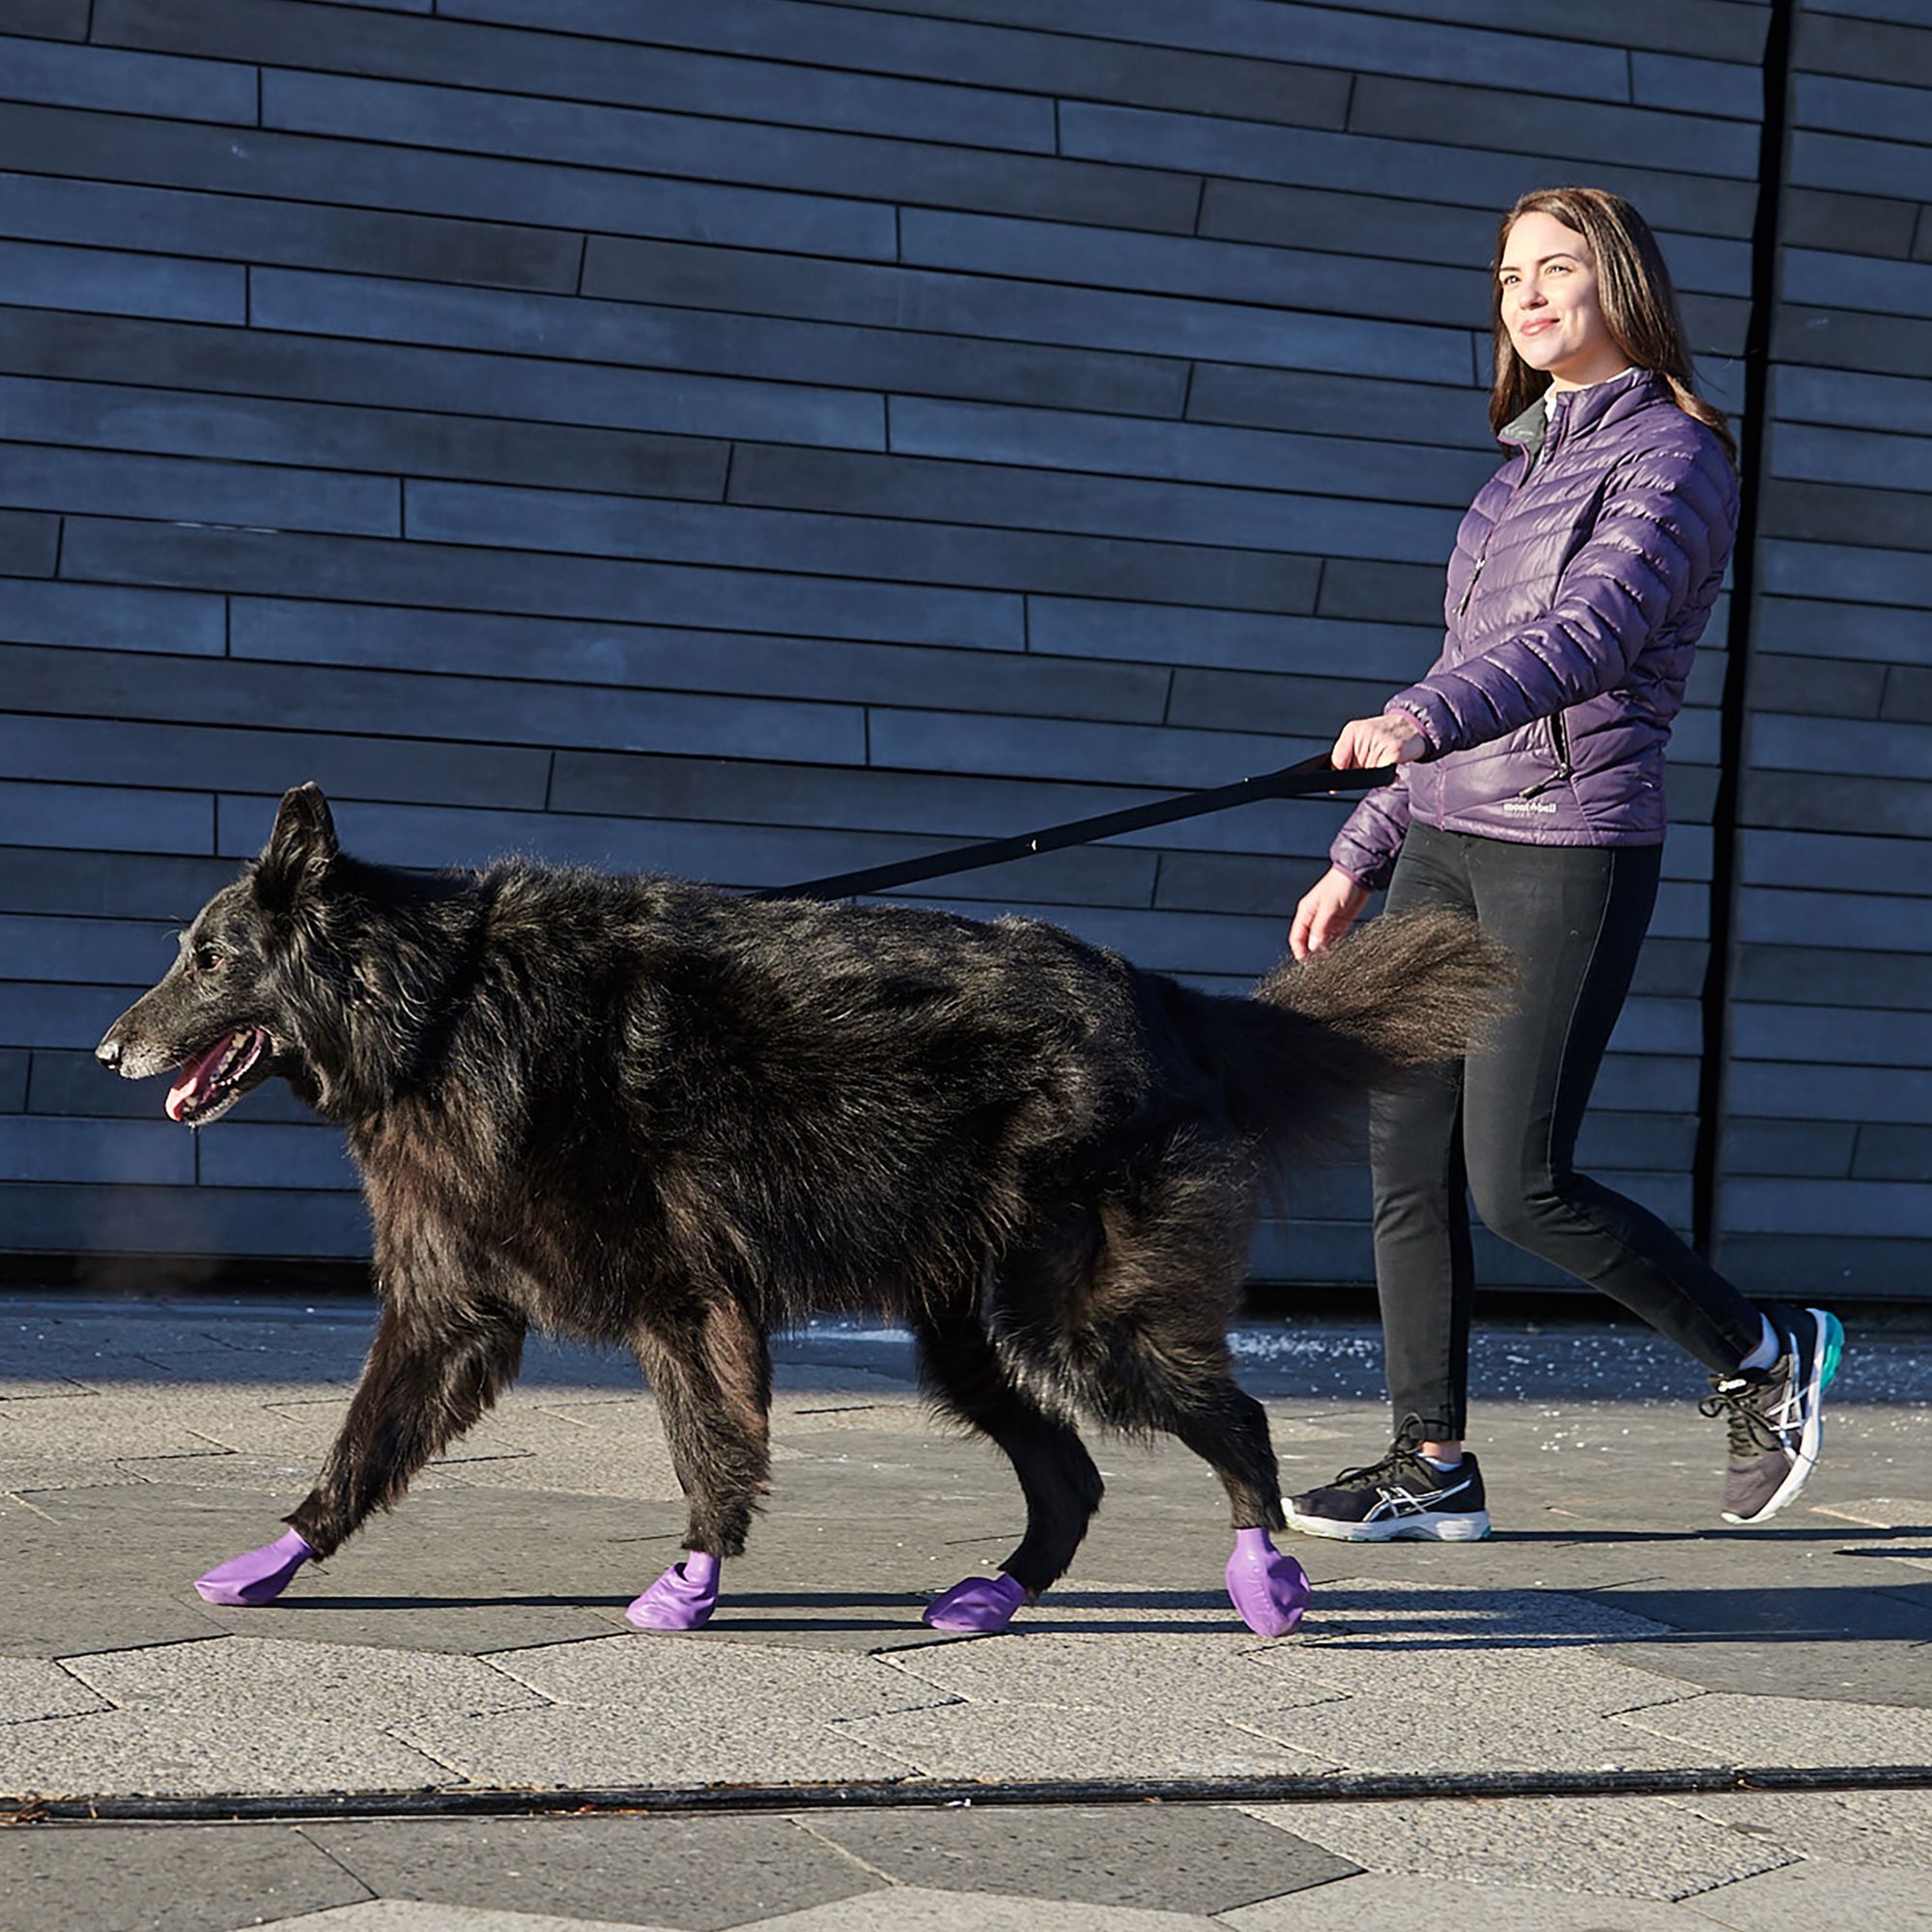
x=1548, y=286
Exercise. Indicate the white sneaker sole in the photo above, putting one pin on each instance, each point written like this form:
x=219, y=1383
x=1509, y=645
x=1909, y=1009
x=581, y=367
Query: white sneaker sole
x=1429, y=1526
x=1831, y=1343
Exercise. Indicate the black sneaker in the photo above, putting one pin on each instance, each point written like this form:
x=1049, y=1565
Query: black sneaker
x=1775, y=1415
x=1400, y=1497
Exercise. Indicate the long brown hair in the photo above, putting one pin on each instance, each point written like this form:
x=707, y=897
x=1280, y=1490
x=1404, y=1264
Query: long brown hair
x=1633, y=291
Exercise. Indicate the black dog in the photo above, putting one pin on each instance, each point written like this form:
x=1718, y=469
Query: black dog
x=647, y=1112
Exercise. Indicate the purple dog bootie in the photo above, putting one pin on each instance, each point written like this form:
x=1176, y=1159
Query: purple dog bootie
x=1267, y=1588
x=258, y=1577
x=980, y=1605
x=682, y=1598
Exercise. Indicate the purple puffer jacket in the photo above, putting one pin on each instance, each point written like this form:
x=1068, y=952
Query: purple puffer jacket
x=1583, y=578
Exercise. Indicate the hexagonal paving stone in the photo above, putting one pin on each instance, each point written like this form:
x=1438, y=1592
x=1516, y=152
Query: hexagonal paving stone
x=1398, y=1733
x=1374, y=1902
x=165, y=1877
x=190, y=1753
x=1165, y=1858
x=1825, y=1624
x=458, y=1571
x=301, y=1683
x=1809, y=1731
x=1823, y=1892
x=663, y=1710
x=695, y=1874
x=1029, y=1743
x=1230, y=1676
x=31, y=1688
x=909, y=1909
x=1615, y=1847
x=1877, y=1828
x=406, y=1915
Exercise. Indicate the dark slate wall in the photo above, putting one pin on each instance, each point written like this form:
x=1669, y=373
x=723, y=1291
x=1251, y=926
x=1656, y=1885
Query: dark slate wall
x=1829, y=1144
x=759, y=438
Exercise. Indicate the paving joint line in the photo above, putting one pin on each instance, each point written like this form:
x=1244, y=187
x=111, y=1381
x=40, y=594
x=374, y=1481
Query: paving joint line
x=932, y=1794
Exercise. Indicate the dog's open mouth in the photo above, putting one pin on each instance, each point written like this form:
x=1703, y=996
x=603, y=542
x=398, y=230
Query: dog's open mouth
x=210, y=1082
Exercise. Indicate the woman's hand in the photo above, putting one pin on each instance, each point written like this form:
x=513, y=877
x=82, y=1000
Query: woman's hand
x=1392, y=739
x=1325, y=911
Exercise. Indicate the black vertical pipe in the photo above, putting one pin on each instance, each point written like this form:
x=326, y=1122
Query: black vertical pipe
x=1755, y=469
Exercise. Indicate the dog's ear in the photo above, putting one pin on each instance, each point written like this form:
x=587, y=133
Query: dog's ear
x=300, y=850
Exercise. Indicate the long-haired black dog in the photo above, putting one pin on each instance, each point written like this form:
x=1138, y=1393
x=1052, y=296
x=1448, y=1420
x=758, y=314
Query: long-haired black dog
x=645, y=1112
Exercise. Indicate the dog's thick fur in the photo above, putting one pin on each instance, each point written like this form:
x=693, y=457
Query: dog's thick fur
x=647, y=1112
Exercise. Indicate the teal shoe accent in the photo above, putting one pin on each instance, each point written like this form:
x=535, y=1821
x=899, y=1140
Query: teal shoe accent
x=1831, y=1344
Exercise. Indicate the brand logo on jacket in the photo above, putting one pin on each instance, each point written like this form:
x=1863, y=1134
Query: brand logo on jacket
x=1528, y=805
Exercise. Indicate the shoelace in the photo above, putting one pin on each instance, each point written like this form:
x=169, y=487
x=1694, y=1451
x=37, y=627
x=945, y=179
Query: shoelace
x=1401, y=1450
x=1741, y=1406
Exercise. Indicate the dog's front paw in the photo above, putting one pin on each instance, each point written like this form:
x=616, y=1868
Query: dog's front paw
x=1267, y=1588
x=258, y=1577
x=980, y=1605
x=682, y=1598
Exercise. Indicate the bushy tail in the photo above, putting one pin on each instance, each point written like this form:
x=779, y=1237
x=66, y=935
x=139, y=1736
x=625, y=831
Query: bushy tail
x=1413, y=988
x=1403, y=992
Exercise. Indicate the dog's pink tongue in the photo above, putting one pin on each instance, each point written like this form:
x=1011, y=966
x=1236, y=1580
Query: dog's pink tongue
x=195, y=1078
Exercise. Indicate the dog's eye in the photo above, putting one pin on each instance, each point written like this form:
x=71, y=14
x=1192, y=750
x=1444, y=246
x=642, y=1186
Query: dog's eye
x=208, y=960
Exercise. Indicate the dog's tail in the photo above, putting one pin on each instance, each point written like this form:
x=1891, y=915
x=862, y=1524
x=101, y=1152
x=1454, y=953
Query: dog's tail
x=1403, y=992
x=1411, y=988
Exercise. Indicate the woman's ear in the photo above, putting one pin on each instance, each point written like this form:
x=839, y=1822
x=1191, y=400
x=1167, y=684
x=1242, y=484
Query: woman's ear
x=299, y=850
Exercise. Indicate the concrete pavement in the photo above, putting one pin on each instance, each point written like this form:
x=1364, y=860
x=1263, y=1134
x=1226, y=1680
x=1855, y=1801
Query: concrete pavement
x=474, y=1640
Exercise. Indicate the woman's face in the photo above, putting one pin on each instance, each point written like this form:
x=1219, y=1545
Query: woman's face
x=1549, y=284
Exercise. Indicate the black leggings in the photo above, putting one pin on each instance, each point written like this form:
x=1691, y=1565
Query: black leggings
x=1502, y=1124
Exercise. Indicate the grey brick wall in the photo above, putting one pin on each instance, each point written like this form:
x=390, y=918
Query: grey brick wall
x=1828, y=1142
x=757, y=438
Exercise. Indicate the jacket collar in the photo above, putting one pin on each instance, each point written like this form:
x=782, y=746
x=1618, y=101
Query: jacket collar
x=1528, y=431
x=1573, y=413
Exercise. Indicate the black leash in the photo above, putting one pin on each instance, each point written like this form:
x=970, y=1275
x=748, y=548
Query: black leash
x=1312, y=777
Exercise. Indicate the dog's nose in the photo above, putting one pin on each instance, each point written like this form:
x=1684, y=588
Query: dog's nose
x=109, y=1053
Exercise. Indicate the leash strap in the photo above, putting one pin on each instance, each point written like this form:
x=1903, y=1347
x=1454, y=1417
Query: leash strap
x=1312, y=778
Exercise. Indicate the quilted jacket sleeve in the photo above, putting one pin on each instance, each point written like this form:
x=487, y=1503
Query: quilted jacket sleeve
x=1657, y=550
x=1367, y=845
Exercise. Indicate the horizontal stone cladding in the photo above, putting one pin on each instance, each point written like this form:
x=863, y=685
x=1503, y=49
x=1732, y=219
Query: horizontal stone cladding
x=1825, y=1142
x=762, y=441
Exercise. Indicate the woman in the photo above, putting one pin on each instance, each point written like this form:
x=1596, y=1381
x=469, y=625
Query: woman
x=1531, y=793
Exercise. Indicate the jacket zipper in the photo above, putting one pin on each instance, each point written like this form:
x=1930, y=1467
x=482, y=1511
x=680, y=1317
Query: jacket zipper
x=1560, y=736
x=1488, y=537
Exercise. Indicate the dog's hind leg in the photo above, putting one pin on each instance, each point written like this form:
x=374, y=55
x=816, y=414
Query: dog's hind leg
x=429, y=1377
x=711, y=1370
x=1057, y=1476
x=1151, y=1339
x=1228, y=1428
